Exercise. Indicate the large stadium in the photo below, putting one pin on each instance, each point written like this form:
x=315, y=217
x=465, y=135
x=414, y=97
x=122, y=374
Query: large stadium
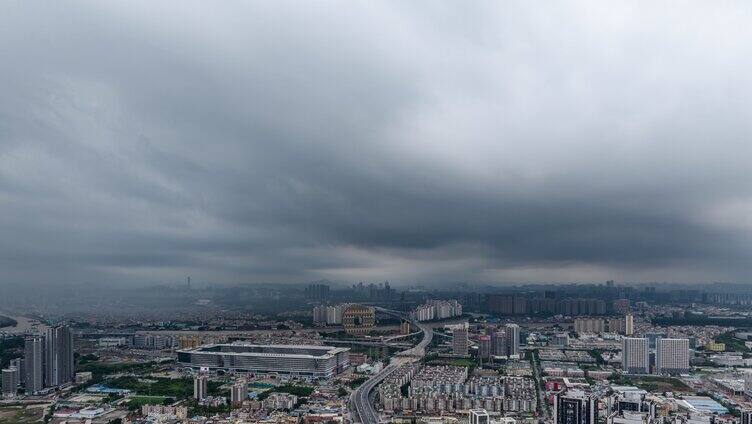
x=296, y=360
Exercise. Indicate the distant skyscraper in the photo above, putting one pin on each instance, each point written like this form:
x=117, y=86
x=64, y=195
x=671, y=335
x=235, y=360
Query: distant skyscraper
x=484, y=346
x=589, y=325
x=499, y=343
x=18, y=363
x=671, y=356
x=513, y=339
x=459, y=341
x=200, y=387
x=58, y=354
x=10, y=377
x=575, y=408
x=635, y=356
x=316, y=291
x=628, y=324
x=33, y=363
x=479, y=416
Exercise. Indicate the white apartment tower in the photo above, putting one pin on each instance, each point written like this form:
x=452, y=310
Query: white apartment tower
x=635, y=357
x=200, y=387
x=33, y=364
x=671, y=356
x=628, y=324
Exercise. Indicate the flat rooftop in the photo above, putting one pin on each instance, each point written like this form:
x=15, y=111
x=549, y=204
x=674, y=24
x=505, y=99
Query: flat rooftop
x=308, y=351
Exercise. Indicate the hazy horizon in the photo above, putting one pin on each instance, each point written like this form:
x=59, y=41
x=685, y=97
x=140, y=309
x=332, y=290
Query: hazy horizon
x=275, y=142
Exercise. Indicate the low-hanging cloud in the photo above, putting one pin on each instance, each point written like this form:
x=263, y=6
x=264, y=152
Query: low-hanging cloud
x=415, y=142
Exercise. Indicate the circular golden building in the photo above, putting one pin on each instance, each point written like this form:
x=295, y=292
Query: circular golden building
x=358, y=319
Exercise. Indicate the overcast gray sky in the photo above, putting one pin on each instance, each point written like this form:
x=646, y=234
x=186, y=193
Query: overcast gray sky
x=410, y=141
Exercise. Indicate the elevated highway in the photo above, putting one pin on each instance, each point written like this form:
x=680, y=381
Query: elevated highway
x=362, y=399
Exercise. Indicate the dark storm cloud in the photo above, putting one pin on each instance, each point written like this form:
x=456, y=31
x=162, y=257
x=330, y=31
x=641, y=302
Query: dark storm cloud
x=413, y=142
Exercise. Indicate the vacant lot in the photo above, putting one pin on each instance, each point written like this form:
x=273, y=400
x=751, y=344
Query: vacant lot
x=660, y=384
x=21, y=415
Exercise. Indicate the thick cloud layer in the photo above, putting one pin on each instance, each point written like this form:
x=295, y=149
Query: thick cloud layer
x=415, y=142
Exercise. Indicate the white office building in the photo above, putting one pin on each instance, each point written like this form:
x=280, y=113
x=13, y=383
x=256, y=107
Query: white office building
x=478, y=416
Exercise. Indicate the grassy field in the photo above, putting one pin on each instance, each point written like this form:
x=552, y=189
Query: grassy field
x=178, y=388
x=135, y=402
x=732, y=343
x=658, y=384
x=21, y=415
x=99, y=369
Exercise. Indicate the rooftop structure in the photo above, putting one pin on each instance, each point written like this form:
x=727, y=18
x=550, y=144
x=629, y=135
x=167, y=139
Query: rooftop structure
x=702, y=404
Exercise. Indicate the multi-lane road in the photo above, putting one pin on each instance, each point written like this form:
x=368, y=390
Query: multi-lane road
x=362, y=399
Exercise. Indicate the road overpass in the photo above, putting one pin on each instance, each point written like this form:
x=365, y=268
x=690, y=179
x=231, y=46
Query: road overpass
x=361, y=400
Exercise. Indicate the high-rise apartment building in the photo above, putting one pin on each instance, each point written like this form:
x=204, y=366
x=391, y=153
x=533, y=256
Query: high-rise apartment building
x=459, y=341
x=671, y=356
x=628, y=324
x=484, y=346
x=746, y=417
x=34, y=363
x=635, y=356
x=317, y=291
x=18, y=363
x=589, y=325
x=48, y=359
x=200, y=387
x=499, y=343
x=239, y=392
x=513, y=339
x=575, y=408
x=10, y=380
x=58, y=356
